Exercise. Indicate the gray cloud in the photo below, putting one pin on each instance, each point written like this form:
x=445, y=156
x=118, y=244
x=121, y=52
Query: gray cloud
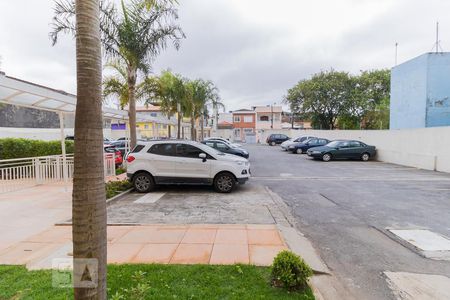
x=253, y=50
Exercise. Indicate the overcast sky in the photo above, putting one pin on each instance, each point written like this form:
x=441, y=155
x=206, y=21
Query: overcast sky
x=254, y=50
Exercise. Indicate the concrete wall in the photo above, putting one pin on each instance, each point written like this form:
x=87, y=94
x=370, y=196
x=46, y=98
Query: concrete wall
x=420, y=93
x=408, y=94
x=46, y=134
x=425, y=148
x=438, y=90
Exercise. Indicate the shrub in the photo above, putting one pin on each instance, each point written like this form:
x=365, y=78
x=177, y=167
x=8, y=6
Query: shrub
x=120, y=170
x=290, y=271
x=116, y=187
x=20, y=148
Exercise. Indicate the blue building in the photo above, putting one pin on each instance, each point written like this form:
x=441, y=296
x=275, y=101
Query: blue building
x=420, y=92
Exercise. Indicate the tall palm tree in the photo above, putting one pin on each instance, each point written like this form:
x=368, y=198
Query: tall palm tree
x=173, y=96
x=88, y=196
x=136, y=35
x=116, y=85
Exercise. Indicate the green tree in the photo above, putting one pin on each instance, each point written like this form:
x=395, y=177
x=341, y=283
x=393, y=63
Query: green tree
x=88, y=196
x=135, y=34
x=327, y=95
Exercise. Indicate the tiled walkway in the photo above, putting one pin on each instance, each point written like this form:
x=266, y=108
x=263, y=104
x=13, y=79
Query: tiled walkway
x=174, y=244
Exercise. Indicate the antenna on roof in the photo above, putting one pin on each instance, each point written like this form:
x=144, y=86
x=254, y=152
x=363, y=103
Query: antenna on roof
x=437, y=44
x=396, y=52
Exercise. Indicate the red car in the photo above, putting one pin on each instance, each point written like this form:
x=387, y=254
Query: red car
x=118, y=155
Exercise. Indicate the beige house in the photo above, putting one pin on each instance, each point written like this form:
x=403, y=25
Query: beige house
x=268, y=117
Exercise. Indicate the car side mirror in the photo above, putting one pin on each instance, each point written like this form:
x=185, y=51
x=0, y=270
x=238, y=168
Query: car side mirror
x=202, y=156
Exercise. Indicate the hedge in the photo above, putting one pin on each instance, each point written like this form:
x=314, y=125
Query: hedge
x=19, y=148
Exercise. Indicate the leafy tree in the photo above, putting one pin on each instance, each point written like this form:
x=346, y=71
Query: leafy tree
x=327, y=96
x=135, y=34
x=88, y=196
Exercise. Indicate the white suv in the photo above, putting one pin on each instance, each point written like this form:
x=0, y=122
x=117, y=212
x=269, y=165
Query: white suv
x=184, y=162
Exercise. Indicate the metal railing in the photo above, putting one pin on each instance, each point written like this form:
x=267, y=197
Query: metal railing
x=20, y=173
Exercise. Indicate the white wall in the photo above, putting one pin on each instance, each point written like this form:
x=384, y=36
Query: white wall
x=46, y=134
x=425, y=148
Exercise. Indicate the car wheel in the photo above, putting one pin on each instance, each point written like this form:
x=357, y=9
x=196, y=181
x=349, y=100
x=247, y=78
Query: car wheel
x=299, y=151
x=143, y=182
x=224, y=182
x=272, y=144
x=326, y=157
x=365, y=156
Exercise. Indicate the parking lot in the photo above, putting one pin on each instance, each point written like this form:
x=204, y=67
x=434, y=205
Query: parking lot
x=346, y=207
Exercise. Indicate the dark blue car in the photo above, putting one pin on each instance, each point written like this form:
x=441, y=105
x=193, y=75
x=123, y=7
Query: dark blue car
x=302, y=147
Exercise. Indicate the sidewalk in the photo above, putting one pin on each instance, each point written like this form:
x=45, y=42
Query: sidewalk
x=173, y=244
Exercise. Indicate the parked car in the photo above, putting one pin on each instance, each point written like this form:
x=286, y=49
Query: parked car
x=118, y=155
x=184, y=162
x=276, y=138
x=121, y=146
x=223, y=140
x=343, y=149
x=300, y=148
x=285, y=145
x=226, y=148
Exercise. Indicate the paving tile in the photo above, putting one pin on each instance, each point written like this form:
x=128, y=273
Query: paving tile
x=263, y=255
x=231, y=236
x=56, y=234
x=192, y=254
x=264, y=237
x=152, y=235
x=232, y=226
x=24, y=252
x=204, y=226
x=229, y=254
x=199, y=236
x=261, y=226
x=123, y=253
x=116, y=232
x=155, y=253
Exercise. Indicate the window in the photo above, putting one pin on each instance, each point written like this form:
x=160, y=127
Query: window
x=190, y=151
x=222, y=146
x=354, y=144
x=248, y=130
x=264, y=118
x=137, y=149
x=211, y=144
x=237, y=119
x=248, y=119
x=153, y=114
x=237, y=132
x=323, y=142
x=163, y=149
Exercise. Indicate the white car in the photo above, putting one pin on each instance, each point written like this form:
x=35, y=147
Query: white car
x=184, y=162
x=285, y=145
x=234, y=145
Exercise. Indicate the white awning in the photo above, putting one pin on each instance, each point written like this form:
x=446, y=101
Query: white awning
x=22, y=93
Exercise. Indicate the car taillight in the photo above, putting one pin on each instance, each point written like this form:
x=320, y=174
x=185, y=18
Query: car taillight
x=130, y=158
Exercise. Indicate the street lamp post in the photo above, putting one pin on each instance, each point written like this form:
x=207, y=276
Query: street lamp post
x=271, y=118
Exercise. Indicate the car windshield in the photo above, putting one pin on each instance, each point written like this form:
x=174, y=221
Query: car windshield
x=334, y=144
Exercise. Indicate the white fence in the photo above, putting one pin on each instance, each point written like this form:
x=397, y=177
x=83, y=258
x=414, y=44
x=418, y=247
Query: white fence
x=16, y=174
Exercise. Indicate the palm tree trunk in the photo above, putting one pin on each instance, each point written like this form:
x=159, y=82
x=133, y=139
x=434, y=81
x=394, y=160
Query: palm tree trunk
x=88, y=196
x=179, y=125
x=132, y=105
x=202, y=129
x=193, y=137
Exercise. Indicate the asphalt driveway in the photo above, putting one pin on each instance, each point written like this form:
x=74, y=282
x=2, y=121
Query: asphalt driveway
x=345, y=208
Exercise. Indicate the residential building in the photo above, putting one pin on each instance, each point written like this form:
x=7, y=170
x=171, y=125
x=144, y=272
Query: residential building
x=244, y=121
x=268, y=117
x=420, y=93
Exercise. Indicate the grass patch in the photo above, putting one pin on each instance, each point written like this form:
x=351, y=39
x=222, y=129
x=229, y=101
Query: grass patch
x=155, y=281
x=114, y=188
